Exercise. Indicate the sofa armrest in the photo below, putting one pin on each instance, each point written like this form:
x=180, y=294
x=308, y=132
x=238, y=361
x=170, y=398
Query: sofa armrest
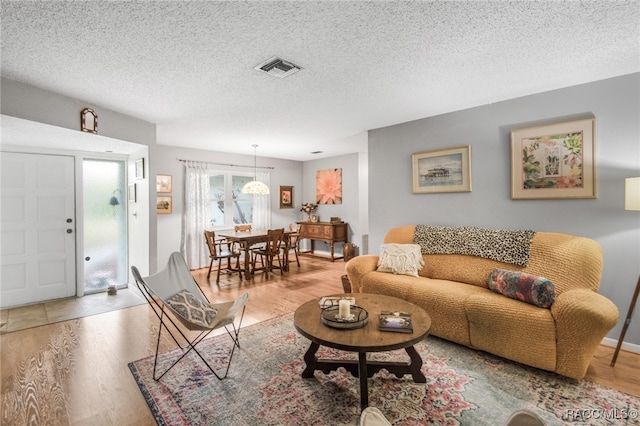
x=583, y=317
x=358, y=267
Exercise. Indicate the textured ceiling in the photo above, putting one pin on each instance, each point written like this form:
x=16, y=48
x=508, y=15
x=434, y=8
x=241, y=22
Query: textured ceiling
x=189, y=66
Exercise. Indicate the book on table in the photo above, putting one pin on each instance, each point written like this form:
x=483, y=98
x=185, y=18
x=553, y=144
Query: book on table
x=396, y=321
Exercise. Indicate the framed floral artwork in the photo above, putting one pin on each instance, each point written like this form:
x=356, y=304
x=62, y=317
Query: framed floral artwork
x=554, y=161
x=329, y=186
x=442, y=170
x=286, y=197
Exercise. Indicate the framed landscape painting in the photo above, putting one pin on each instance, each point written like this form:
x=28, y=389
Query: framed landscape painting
x=443, y=170
x=554, y=161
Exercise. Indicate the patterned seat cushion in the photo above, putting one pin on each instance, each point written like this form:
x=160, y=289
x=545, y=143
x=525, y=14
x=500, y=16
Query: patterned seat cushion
x=402, y=259
x=185, y=304
x=528, y=288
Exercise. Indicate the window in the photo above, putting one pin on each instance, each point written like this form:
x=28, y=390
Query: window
x=229, y=206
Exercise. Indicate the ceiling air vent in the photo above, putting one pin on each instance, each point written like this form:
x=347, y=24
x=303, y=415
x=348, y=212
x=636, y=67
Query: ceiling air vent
x=278, y=67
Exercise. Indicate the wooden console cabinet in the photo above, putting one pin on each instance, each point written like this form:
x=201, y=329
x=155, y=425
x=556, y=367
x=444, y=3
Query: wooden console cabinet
x=324, y=231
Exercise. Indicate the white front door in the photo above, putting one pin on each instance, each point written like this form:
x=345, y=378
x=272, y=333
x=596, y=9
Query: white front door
x=38, y=258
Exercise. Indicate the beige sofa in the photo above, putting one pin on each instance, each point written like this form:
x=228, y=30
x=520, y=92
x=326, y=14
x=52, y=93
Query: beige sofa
x=453, y=289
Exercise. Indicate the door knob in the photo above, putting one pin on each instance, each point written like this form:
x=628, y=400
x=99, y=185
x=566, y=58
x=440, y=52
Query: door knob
x=69, y=220
x=69, y=231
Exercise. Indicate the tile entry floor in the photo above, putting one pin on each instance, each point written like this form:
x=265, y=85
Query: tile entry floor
x=20, y=318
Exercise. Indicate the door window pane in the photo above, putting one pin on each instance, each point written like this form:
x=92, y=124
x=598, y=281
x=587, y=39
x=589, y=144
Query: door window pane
x=105, y=224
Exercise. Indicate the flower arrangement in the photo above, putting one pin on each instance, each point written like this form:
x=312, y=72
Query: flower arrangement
x=308, y=208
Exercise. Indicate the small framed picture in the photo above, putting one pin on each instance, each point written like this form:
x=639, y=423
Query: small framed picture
x=164, y=205
x=315, y=218
x=163, y=183
x=140, y=168
x=132, y=192
x=286, y=197
x=443, y=170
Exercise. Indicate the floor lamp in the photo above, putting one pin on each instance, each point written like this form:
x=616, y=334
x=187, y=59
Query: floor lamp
x=631, y=202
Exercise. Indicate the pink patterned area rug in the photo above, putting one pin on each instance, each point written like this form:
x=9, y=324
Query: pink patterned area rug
x=464, y=387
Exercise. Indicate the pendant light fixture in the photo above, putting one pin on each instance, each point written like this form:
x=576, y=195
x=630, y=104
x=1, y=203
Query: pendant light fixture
x=255, y=187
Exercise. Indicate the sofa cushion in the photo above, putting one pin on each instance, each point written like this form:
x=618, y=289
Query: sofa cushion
x=443, y=300
x=513, y=330
x=401, y=259
x=191, y=308
x=528, y=288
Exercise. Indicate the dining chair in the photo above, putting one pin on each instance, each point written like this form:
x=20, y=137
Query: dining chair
x=180, y=304
x=218, y=253
x=246, y=227
x=291, y=243
x=270, y=252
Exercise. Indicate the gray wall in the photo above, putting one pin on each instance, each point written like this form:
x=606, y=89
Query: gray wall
x=41, y=106
x=615, y=103
x=285, y=173
x=300, y=175
x=351, y=209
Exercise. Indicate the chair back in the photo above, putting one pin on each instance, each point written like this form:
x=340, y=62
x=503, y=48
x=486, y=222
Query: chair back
x=210, y=238
x=274, y=240
x=174, y=277
x=242, y=228
x=294, y=235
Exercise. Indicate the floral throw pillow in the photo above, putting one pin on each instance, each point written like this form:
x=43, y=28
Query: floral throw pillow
x=528, y=288
x=402, y=259
x=185, y=304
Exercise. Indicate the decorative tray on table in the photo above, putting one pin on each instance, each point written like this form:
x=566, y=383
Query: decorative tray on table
x=331, y=318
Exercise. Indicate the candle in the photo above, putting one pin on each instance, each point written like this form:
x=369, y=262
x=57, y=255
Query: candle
x=344, y=310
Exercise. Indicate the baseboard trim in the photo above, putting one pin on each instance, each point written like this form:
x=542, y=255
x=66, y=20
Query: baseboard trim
x=625, y=346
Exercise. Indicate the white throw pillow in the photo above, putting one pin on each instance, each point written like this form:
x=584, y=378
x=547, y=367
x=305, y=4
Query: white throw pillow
x=402, y=259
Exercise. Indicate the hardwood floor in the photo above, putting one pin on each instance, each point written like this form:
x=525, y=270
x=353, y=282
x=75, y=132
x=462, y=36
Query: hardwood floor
x=75, y=372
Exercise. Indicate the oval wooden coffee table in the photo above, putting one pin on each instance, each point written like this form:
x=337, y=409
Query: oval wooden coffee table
x=362, y=340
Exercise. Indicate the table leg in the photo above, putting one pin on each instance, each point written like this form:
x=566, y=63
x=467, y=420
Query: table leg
x=310, y=359
x=285, y=257
x=362, y=373
x=247, y=261
x=415, y=365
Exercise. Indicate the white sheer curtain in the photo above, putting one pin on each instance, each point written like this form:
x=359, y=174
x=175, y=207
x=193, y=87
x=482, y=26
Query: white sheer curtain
x=195, y=215
x=262, y=203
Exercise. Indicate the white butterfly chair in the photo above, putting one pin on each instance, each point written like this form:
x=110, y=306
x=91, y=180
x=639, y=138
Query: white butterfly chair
x=174, y=290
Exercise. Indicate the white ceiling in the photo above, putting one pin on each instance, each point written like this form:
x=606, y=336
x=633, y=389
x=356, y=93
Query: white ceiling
x=189, y=66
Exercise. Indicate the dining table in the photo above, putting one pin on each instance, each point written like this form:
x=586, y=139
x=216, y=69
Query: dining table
x=246, y=239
